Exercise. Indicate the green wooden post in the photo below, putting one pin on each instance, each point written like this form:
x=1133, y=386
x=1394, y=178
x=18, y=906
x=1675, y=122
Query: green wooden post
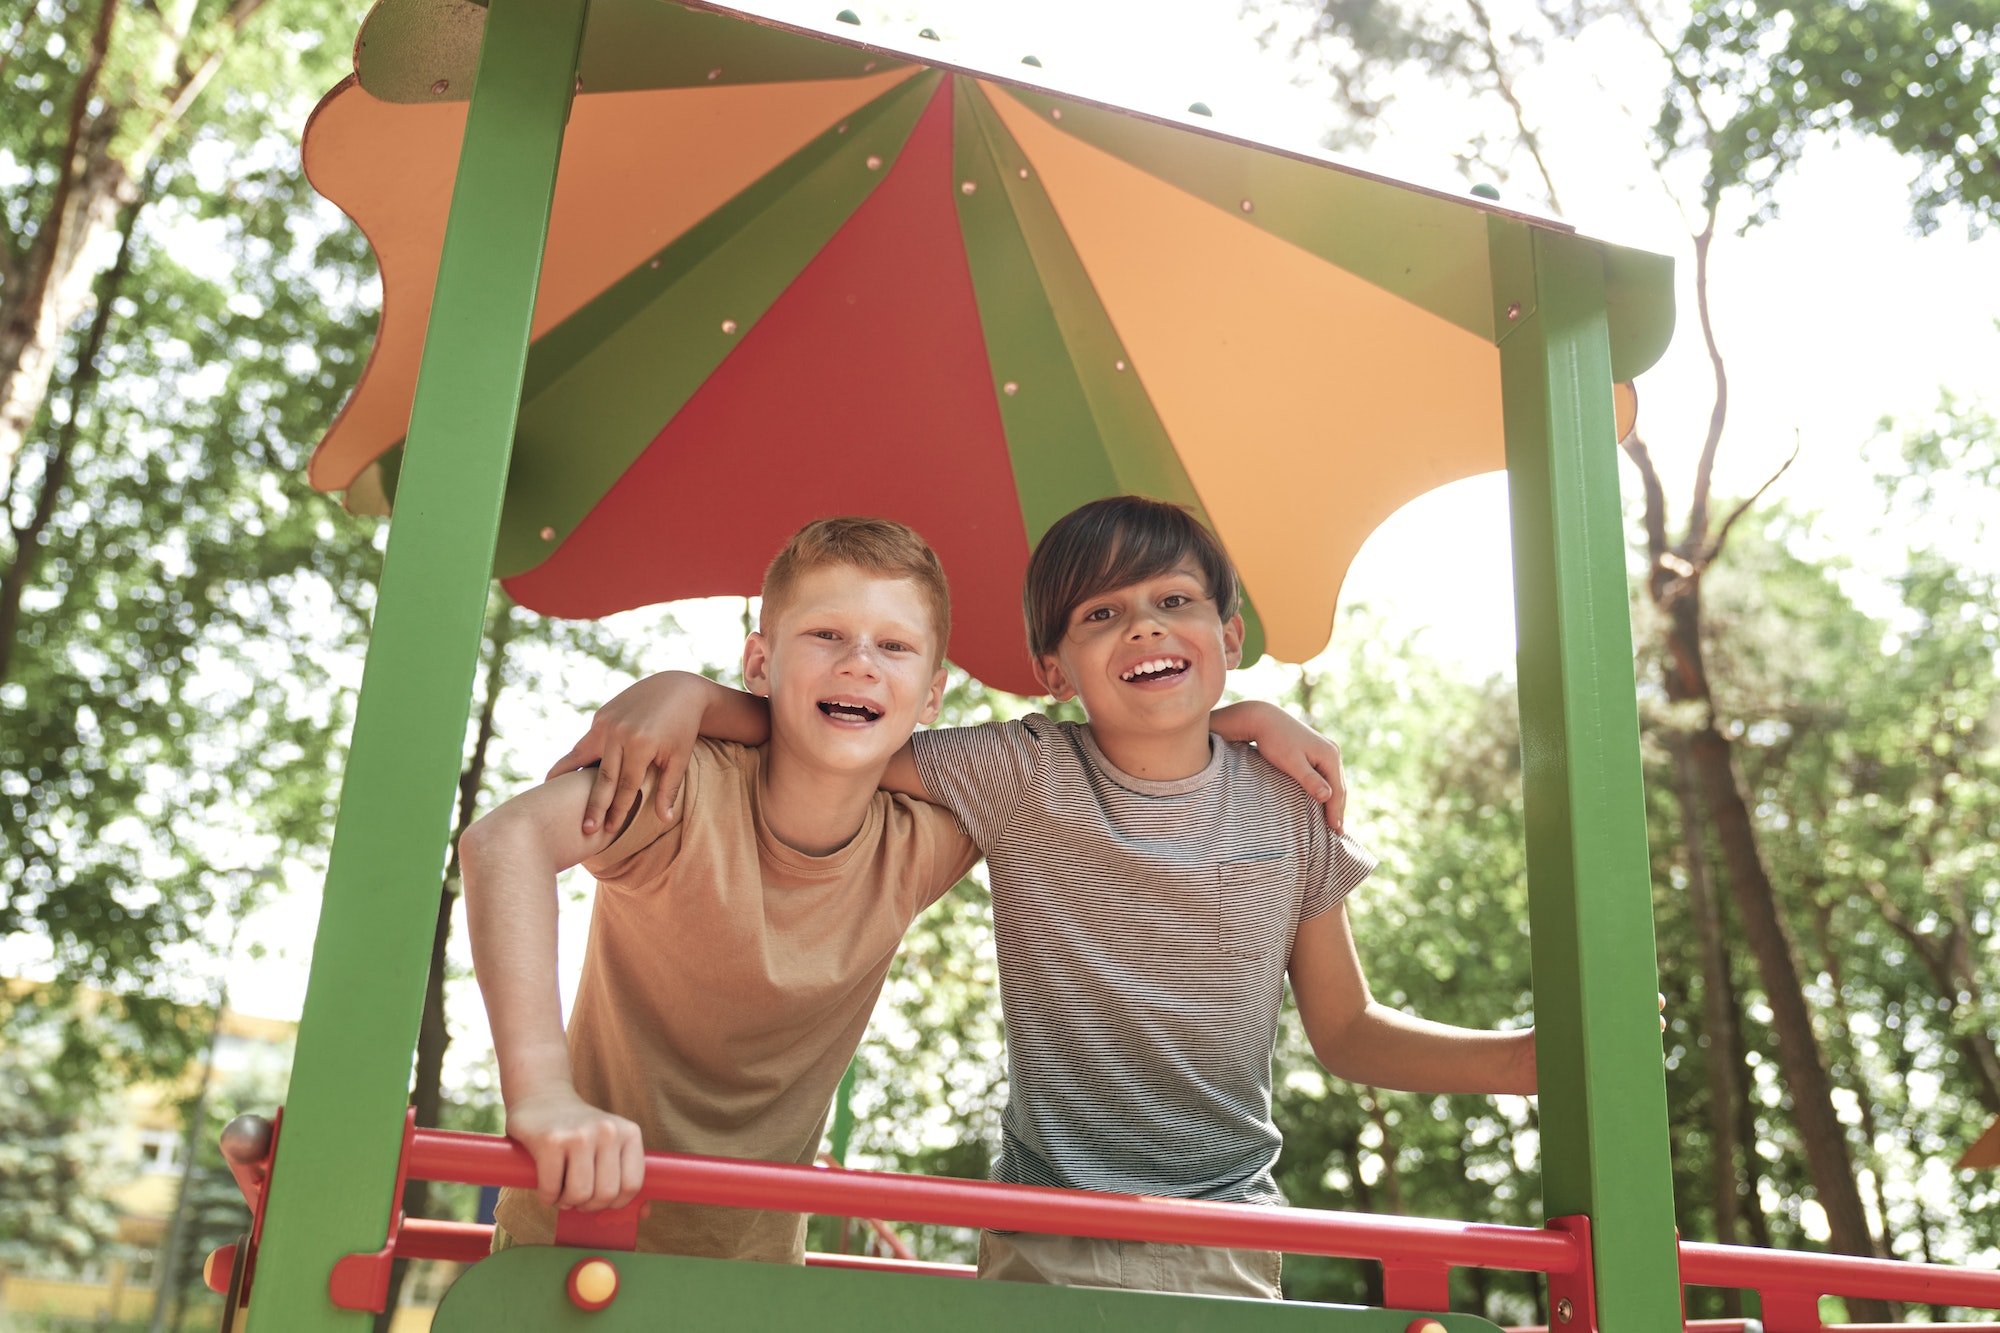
x=335, y=1174
x=1603, y=1086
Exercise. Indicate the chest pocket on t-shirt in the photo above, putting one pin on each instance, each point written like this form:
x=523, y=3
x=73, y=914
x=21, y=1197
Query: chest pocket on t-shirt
x=1253, y=904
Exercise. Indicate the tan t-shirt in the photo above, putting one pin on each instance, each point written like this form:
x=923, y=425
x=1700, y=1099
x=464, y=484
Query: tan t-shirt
x=728, y=980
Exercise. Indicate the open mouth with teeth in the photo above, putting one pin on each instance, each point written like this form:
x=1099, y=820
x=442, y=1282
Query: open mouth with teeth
x=844, y=710
x=1155, y=668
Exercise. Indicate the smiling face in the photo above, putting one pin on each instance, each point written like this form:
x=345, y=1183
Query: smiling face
x=1148, y=659
x=851, y=664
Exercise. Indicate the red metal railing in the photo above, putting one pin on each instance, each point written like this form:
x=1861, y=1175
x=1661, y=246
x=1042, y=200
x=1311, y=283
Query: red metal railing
x=481, y=1159
x=1416, y=1254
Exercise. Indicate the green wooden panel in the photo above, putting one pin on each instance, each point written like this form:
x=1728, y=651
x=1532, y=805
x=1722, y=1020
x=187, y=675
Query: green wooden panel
x=1080, y=424
x=523, y=1289
x=409, y=48
x=1603, y=1086
x=621, y=367
x=335, y=1174
x=1639, y=300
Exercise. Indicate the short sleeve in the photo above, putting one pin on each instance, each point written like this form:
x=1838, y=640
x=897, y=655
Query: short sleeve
x=641, y=854
x=979, y=773
x=950, y=851
x=1336, y=864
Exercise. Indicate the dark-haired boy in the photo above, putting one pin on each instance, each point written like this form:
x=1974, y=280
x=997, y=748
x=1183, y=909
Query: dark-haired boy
x=1154, y=886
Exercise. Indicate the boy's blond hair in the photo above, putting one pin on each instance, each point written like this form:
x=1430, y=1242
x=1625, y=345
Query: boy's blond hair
x=878, y=546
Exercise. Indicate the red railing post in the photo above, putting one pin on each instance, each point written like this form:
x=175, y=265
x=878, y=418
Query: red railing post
x=1573, y=1295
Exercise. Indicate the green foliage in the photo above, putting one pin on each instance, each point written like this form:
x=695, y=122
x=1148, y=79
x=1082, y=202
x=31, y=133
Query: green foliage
x=175, y=700
x=55, y=1178
x=1923, y=77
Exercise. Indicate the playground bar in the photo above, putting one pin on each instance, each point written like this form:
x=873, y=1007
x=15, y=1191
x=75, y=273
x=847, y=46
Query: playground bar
x=1816, y=1275
x=446, y=1155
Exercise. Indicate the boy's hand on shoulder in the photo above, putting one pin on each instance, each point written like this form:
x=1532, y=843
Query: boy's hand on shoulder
x=1293, y=748
x=653, y=724
x=584, y=1158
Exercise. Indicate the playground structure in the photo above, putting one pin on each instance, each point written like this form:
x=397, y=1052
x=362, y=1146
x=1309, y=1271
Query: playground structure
x=988, y=298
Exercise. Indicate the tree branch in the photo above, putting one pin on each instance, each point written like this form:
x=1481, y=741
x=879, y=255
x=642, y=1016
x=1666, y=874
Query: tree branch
x=55, y=473
x=1655, y=499
x=40, y=263
x=1714, y=548
x=191, y=80
x=1704, y=473
x=1506, y=90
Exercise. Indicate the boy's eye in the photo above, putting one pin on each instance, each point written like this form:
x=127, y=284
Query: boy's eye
x=1174, y=601
x=1097, y=615
x=895, y=646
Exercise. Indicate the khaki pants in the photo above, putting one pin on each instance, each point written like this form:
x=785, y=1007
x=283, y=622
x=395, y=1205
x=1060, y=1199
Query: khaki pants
x=1078, y=1261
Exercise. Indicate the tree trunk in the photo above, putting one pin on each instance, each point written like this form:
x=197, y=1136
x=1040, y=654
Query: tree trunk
x=1674, y=587
x=433, y=1035
x=1722, y=1060
x=51, y=289
x=1799, y=1055
x=20, y=571
x=53, y=284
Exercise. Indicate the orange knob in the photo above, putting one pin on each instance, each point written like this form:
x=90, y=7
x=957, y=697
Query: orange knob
x=1424, y=1326
x=593, y=1284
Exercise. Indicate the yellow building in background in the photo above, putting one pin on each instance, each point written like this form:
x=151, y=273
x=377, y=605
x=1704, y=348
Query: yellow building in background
x=143, y=1142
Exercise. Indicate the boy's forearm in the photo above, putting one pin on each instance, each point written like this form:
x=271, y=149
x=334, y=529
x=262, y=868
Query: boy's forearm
x=1250, y=720
x=730, y=714
x=1387, y=1048
x=510, y=910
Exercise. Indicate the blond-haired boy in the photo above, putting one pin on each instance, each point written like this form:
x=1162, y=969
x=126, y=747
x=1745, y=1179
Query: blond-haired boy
x=740, y=937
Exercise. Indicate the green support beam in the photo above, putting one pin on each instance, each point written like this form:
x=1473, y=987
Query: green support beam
x=1603, y=1086
x=336, y=1168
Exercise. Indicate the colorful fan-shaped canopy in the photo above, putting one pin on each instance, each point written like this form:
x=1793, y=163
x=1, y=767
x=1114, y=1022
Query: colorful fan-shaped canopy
x=793, y=273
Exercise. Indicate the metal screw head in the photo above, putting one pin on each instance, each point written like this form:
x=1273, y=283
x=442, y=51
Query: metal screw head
x=1513, y=310
x=1565, y=1311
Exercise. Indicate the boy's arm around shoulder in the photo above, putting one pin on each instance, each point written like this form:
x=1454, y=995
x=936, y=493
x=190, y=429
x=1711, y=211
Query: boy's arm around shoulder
x=509, y=859
x=653, y=724
x=1363, y=1041
x=1291, y=747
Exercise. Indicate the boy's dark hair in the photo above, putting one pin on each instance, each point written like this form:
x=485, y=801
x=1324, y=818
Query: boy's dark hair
x=1114, y=543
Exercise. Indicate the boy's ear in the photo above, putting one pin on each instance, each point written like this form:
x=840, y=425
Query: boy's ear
x=1232, y=642
x=757, y=664
x=1049, y=671
x=934, y=700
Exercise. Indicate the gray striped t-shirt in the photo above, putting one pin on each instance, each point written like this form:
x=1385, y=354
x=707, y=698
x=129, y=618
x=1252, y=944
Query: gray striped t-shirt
x=1143, y=932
